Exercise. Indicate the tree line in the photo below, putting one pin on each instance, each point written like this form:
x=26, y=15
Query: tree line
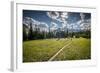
x=30, y=34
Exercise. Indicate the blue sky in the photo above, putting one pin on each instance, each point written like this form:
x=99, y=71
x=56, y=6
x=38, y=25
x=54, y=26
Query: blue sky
x=42, y=16
x=37, y=15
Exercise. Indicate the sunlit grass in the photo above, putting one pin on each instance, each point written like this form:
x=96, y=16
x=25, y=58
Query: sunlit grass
x=79, y=49
x=43, y=50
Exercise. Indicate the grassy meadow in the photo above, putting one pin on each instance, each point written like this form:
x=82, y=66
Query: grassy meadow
x=43, y=50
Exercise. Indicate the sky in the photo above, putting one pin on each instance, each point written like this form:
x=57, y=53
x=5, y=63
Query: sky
x=57, y=19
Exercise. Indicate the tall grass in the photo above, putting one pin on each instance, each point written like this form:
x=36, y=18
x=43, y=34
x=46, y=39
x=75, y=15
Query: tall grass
x=42, y=50
x=79, y=49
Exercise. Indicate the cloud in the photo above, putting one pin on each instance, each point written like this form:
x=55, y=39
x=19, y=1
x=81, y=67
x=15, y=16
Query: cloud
x=59, y=16
x=69, y=26
x=84, y=25
x=26, y=21
x=79, y=22
x=43, y=24
x=87, y=24
x=82, y=15
x=53, y=14
x=35, y=24
x=64, y=24
x=64, y=15
x=53, y=26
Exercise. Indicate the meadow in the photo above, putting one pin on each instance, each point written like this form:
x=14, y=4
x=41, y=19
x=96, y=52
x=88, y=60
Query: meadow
x=43, y=50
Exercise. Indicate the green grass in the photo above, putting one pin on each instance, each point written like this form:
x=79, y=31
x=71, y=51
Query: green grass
x=79, y=49
x=43, y=50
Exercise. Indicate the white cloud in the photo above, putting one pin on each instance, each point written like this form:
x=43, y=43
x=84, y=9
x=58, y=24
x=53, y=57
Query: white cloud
x=59, y=16
x=26, y=21
x=69, y=26
x=53, y=14
x=43, y=24
x=82, y=15
x=79, y=22
x=53, y=26
x=64, y=15
x=84, y=25
x=64, y=24
x=35, y=24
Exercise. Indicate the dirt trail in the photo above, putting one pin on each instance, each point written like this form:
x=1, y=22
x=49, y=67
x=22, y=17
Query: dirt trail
x=59, y=52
